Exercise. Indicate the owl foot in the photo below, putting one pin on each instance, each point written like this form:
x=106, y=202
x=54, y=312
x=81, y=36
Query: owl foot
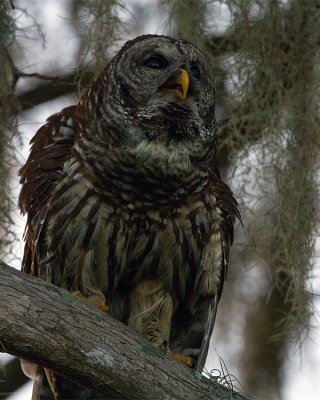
x=188, y=361
x=98, y=300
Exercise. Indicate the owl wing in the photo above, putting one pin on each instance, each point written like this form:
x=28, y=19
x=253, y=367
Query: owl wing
x=192, y=323
x=215, y=254
x=51, y=147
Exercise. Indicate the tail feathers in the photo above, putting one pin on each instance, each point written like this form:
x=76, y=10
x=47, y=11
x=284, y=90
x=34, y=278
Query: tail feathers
x=66, y=389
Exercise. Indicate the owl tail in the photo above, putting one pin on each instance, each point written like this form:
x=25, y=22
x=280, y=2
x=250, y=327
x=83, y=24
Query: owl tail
x=64, y=389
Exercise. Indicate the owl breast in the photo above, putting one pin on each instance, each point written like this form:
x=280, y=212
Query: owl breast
x=119, y=245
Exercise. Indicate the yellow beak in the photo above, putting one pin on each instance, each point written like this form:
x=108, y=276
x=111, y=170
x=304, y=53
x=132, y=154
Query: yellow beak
x=178, y=86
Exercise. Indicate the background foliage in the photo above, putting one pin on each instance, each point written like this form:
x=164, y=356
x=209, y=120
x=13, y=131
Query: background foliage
x=266, y=59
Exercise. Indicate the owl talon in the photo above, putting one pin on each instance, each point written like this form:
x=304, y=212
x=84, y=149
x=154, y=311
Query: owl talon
x=188, y=361
x=94, y=300
x=183, y=359
x=79, y=294
x=103, y=307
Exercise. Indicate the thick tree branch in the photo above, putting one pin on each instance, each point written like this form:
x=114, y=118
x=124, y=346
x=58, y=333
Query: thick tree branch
x=48, y=325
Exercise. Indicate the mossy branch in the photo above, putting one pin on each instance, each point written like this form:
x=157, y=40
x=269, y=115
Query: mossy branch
x=49, y=326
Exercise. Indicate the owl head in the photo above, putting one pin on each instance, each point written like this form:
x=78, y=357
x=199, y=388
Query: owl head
x=158, y=97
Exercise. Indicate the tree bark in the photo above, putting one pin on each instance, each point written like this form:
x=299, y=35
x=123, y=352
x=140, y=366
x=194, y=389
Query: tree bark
x=49, y=326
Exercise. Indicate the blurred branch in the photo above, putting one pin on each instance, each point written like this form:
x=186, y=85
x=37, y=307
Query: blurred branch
x=220, y=45
x=37, y=75
x=262, y=325
x=49, y=326
x=48, y=91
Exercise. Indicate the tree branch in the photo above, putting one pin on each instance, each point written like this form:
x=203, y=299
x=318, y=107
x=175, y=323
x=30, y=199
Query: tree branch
x=50, y=90
x=48, y=325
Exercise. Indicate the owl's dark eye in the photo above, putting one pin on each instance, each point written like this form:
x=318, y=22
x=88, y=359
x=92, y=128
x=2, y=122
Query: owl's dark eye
x=155, y=62
x=195, y=71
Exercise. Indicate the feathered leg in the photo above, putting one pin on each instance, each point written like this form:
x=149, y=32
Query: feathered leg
x=151, y=309
x=97, y=299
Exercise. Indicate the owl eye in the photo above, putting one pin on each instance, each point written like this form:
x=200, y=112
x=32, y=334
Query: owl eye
x=155, y=62
x=195, y=71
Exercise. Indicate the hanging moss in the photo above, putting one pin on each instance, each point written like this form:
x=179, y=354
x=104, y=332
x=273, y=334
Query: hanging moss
x=8, y=109
x=267, y=71
x=103, y=30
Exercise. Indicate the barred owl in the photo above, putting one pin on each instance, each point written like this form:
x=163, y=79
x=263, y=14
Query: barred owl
x=124, y=199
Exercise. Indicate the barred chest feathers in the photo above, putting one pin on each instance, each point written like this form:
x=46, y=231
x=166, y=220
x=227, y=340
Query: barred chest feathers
x=120, y=245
